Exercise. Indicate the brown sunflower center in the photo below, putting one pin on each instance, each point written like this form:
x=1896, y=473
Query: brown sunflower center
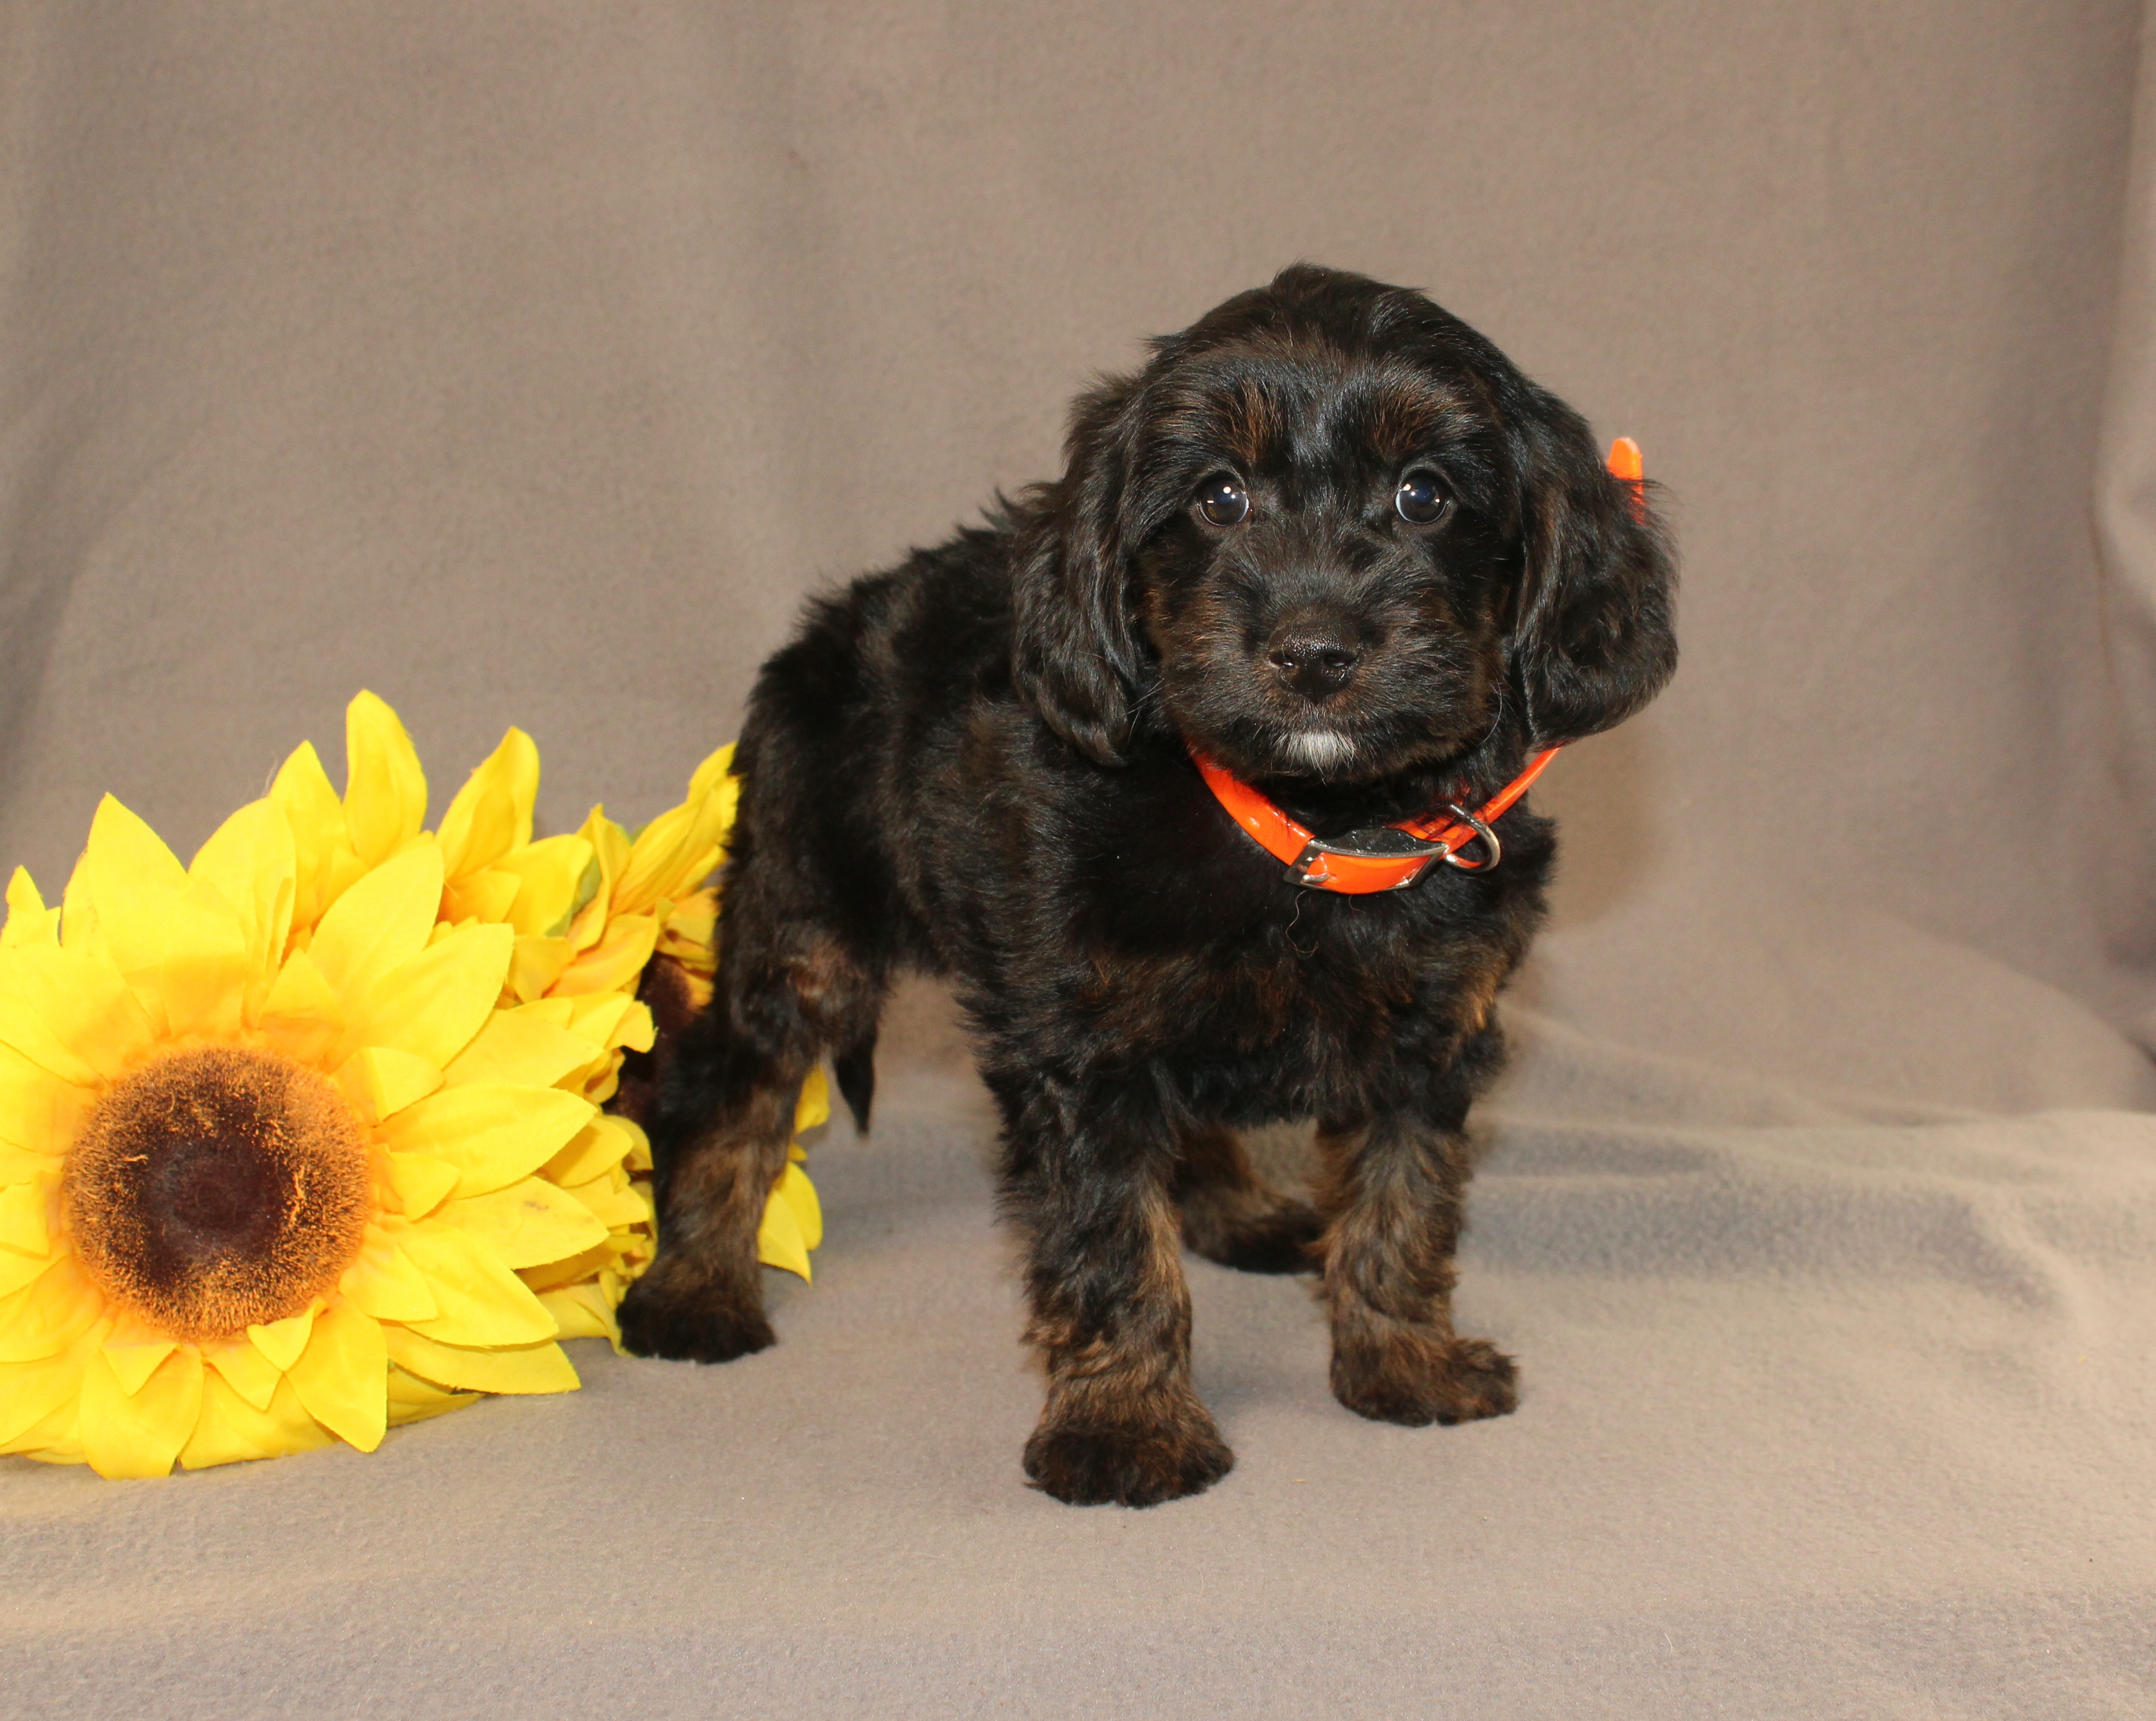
x=219, y=1188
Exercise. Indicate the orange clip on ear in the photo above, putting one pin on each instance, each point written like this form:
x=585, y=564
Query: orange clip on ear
x=1627, y=466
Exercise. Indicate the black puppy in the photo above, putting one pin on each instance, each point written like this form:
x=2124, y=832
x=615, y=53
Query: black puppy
x=1331, y=540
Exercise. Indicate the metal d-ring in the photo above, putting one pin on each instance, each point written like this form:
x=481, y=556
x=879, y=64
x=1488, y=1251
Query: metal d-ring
x=1494, y=849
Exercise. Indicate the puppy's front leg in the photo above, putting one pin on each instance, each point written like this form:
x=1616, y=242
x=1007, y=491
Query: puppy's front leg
x=1087, y=1169
x=1394, y=1191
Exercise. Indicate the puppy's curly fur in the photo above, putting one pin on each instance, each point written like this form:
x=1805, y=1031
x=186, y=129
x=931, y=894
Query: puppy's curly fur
x=1332, y=537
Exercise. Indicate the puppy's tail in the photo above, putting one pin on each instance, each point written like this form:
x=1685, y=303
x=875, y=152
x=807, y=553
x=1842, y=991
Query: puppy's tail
x=855, y=1066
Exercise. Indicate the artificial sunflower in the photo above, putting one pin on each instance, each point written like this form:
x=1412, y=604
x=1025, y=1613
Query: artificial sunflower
x=304, y=1139
x=259, y=1197
x=610, y=924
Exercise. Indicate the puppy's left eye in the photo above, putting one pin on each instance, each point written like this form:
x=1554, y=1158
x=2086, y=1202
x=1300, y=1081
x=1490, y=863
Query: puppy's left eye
x=1421, y=499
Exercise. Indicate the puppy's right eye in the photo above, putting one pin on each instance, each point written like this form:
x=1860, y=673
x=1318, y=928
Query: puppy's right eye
x=1222, y=501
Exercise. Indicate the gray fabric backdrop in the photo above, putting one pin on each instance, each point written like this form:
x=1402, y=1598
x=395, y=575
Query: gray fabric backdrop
x=527, y=363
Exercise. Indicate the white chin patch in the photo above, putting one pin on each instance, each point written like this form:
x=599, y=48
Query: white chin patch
x=1320, y=749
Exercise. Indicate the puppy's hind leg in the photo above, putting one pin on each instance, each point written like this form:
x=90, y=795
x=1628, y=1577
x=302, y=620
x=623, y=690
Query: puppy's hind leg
x=786, y=990
x=1231, y=1214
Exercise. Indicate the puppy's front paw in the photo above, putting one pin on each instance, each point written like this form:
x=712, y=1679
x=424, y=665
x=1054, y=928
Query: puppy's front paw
x=673, y=1311
x=1127, y=1464
x=1419, y=1381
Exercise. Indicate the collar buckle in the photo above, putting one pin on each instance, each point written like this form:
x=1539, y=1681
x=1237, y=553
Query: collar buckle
x=1375, y=842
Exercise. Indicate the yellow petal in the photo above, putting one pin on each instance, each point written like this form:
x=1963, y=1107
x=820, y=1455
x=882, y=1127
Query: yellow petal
x=411, y=1400
x=675, y=851
x=342, y=1377
x=528, y=1224
x=433, y=1004
x=209, y=973
x=39, y=1113
x=245, y=1370
x=516, y=1046
x=714, y=777
x=54, y=1440
x=385, y=794
x=134, y=1360
x=690, y=924
x=794, y=1188
x=554, y=874
x=69, y=1012
x=666, y=859
x=324, y=861
x=614, y=963
x=613, y=1201
x=180, y=946
x=130, y=878
x=252, y=861
x=494, y=1134
x=383, y=1283
x=636, y=1031
x=383, y=920
x=24, y=1216
x=779, y=1240
x=380, y=1080
x=301, y=1017
x=78, y=912
x=611, y=1019
x=18, y=1270
x=611, y=847
x=301, y=989
x=813, y=1108
x=231, y=1429
x=491, y=814
x=571, y=1270
x=526, y=1368
x=482, y=1303
x=582, y=1312
x=675, y=854
x=126, y=857
x=32, y=1391
x=557, y=1012
x=599, y=1146
x=139, y=1434
x=598, y=1081
x=29, y=921
x=537, y=964
x=282, y=1341
x=49, y=1428
x=488, y=895
x=422, y=1182
x=46, y=1316
x=20, y=1164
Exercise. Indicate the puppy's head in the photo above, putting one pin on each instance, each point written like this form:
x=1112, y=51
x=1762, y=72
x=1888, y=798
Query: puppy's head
x=1330, y=531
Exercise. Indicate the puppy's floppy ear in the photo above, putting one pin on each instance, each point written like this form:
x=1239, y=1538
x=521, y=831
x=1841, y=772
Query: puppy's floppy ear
x=1075, y=654
x=1594, y=640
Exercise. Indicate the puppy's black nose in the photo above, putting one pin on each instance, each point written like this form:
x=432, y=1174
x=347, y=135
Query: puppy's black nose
x=1315, y=664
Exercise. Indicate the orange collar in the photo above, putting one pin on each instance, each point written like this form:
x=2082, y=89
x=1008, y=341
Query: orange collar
x=1384, y=857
